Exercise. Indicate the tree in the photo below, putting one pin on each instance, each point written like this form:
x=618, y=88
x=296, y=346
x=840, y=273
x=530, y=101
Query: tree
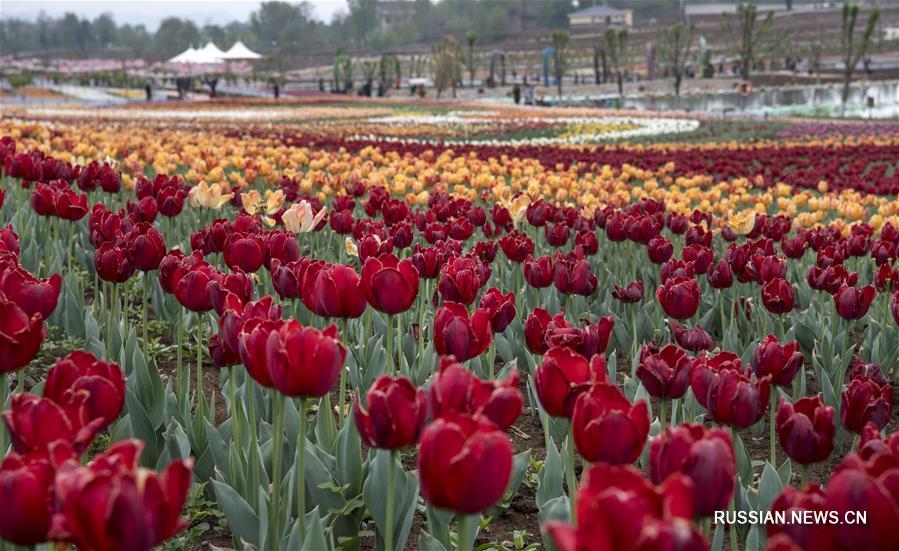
x=173, y=36
x=471, y=38
x=560, y=57
x=447, y=70
x=854, y=51
x=363, y=20
x=755, y=38
x=616, y=52
x=676, y=44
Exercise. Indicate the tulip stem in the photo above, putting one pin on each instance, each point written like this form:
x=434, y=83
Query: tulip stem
x=389, y=338
x=465, y=535
x=143, y=319
x=301, y=469
x=201, y=397
x=663, y=415
x=4, y=394
x=179, y=372
x=277, y=441
x=391, y=496
x=341, y=389
x=570, y=476
x=804, y=482
x=773, y=452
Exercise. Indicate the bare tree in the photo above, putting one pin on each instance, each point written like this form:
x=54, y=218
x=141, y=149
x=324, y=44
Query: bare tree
x=560, y=57
x=616, y=53
x=470, y=63
x=676, y=45
x=755, y=38
x=447, y=69
x=854, y=50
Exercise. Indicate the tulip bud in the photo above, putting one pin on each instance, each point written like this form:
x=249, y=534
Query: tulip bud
x=394, y=413
x=665, y=374
x=705, y=455
x=679, y=297
x=304, y=361
x=778, y=296
x=464, y=464
x=458, y=334
x=865, y=401
x=806, y=429
x=390, y=285
x=562, y=376
x=780, y=362
x=852, y=303
x=607, y=427
x=455, y=389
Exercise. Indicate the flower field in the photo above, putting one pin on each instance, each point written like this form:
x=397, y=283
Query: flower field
x=335, y=325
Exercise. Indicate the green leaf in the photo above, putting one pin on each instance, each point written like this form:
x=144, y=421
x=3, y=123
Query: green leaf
x=244, y=522
x=549, y=478
x=770, y=486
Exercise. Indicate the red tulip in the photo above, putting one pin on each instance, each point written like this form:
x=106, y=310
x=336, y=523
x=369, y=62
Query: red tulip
x=665, y=374
x=793, y=501
x=660, y=250
x=145, y=247
x=9, y=240
x=390, y=285
x=619, y=509
x=111, y=263
x=304, y=361
x=781, y=362
x=191, y=286
x=699, y=256
x=69, y=204
x=34, y=423
x=33, y=295
x=705, y=455
x=720, y=276
x=865, y=401
x=778, y=296
x=852, y=303
x=26, y=499
x=572, y=275
x=630, y=294
x=333, y=290
x=455, y=389
x=592, y=339
x=20, y=335
x=461, y=278
x=694, y=340
x=244, y=251
x=868, y=488
x=679, y=297
x=253, y=350
x=538, y=273
x=170, y=201
x=830, y=279
x=464, y=464
x=500, y=307
x=457, y=334
x=287, y=279
x=734, y=399
x=394, y=413
x=113, y=504
x=81, y=373
x=222, y=355
x=282, y=245
x=806, y=429
x=563, y=376
x=516, y=246
x=607, y=427
x=170, y=266
x=237, y=313
x=705, y=368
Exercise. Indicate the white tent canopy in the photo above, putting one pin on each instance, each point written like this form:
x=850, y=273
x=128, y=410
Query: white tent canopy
x=240, y=51
x=186, y=56
x=210, y=53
